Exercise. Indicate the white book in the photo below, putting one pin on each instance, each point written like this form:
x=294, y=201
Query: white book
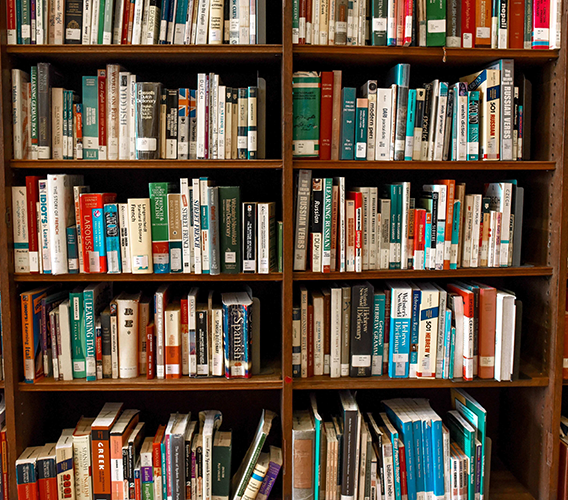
x=82, y=459
x=442, y=307
x=555, y=34
x=202, y=22
x=404, y=225
x=372, y=224
x=504, y=335
x=87, y=16
x=317, y=299
x=20, y=228
x=217, y=342
x=152, y=25
x=132, y=115
x=123, y=112
x=44, y=239
x=118, y=19
x=383, y=135
x=137, y=22
x=428, y=332
x=475, y=230
x=172, y=340
x=96, y=5
x=161, y=301
x=443, y=247
x=501, y=195
x=216, y=20
x=428, y=147
x=336, y=322
x=196, y=218
x=266, y=235
x=186, y=237
x=213, y=116
x=440, y=122
x=468, y=230
x=114, y=340
x=244, y=22
x=114, y=91
x=221, y=125
x=40, y=25
x=191, y=325
x=139, y=231
x=331, y=37
x=369, y=91
x=384, y=235
x=124, y=237
x=205, y=240
x=65, y=360
x=210, y=421
x=201, y=96
x=20, y=117
x=365, y=227
x=417, y=142
x=462, y=123
x=127, y=310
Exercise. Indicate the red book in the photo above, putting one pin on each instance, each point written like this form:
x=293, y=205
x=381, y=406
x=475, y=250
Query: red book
x=541, y=24
x=125, y=19
x=419, y=237
x=4, y=446
x=358, y=199
x=486, y=337
x=326, y=115
x=12, y=31
x=516, y=24
x=407, y=22
x=450, y=196
x=157, y=451
x=387, y=330
x=101, y=76
x=150, y=351
x=565, y=356
x=334, y=212
x=310, y=340
x=400, y=7
x=467, y=23
x=402, y=464
x=302, y=21
x=92, y=230
x=184, y=337
x=483, y=23
x=130, y=22
x=308, y=20
x=468, y=334
x=32, y=197
x=137, y=487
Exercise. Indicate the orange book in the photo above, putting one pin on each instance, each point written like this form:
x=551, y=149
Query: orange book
x=516, y=24
x=100, y=449
x=483, y=23
x=486, y=338
x=450, y=197
x=157, y=455
x=468, y=334
x=118, y=437
x=4, y=447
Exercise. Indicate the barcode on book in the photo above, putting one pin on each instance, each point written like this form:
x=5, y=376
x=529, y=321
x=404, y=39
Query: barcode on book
x=94, y=262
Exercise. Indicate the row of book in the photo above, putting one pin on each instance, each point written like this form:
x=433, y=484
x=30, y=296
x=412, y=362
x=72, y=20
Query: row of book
x=118, y=118
x=90, y=333
x=484, y=116
x=404, y=450
x=136, y=22
x=460, y=330
x=117, y=455
x=369, y=228
x=61, y=227
x=496, y=24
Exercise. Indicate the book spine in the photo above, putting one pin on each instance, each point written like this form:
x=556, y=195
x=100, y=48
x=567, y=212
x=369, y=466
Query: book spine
x=124, y=238
x=139, y=229
x=91, y=117
x=249, y=228
x=186, y=225
x=159, y=216
x=112, y=238
x=347, y=141
x=541, y=24
x=102, y=109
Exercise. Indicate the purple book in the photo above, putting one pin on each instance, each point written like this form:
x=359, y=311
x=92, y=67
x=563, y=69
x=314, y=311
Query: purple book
x=47, y=305
x=272, y=473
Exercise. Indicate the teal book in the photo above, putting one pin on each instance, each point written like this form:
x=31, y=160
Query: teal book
x=378, y=334
x=78, y=339
x=361, y=117
x=102, y=21
x=90, y=118
x=295, y=21
x=107, y=21
x=327, y=208
x=435, y=23
x=379, y=22
x=347, y=139
x=473, y=108
x=410, y=117
x=160, y=230
x=463, y=433
x=229, y=229
x=72, y=251
x=393, y=195
x=95, y=298
x=455, y=235
x=112, y=238
x=399, y=75
x=306, y=97
x=318, y=425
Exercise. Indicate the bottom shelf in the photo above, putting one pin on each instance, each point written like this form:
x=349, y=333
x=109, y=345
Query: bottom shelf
x=504, y=485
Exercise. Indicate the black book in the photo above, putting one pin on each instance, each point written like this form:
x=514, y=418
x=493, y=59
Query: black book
x=201, y=341
x=148, y=97
x=106, y=343
x=525, y=100
x=433, y=195
x=316, y=225
x=351, y=435
x=171, y=124
x=249, y=237
x=47, y=78
x=518, y=333
x=361, y=344
x=449, y=123
x=426, y=120
x=73, y=21
x=227, y=22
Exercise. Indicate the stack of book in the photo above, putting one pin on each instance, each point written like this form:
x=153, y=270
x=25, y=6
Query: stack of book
x=136, y=22
x=61, y=227
x=90, y=333
x=184, y=458
x=118, y=118
x=404, y=451
x=484, y=116
x=496, y=24
x=369, y=228
x=407, y=330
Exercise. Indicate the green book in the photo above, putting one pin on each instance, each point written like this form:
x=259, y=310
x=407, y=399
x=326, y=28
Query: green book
x=33, y=112
x=347, y=123
x=395, y=194
x=107, y=21
x=26, y=21
x=279, y=245
x=463, y=433
x=435, y=23
x=361, y=129
x=379, y=22
x=78, y=339
x=327, y=207
x=160, y=230
x=306, y=96
x=230, y=229
x=90, y=118
x=95, y=298
x=295, y=21
x=221, y=467
x=101, y=31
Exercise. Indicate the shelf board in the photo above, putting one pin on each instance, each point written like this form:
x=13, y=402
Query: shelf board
x=423, y=165
x=149, y=53
x=146, y=164
x=384, y=382
x=145, y=277
x=504, y=485
x=270, y=380
x=482, y=272
x=417, y=55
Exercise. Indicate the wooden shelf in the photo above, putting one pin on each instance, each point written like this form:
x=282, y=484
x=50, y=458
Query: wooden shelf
x=477, y=272
x=71, y=278
x=423, y=165
x=69, y=54
x=341, y=54
x=270, y=380
x=147, y=164
x=504, y=485
x=384, y=382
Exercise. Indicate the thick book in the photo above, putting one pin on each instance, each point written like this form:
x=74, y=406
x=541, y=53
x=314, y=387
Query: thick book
x=139, y=228
x=362, y=297
x=306, y=91
x=303, y=437
x=148, y=120
x=229, y=230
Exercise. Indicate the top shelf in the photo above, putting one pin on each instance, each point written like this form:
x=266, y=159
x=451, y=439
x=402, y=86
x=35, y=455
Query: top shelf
x=146, y=53
x=420, y=55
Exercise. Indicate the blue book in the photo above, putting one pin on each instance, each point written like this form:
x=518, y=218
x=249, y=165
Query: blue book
x=378, y=333
x=414, y=330
x=112, y=238
x=410, y=118
x=164, y=12
x=400, y=319
x=72, y=251
x=455, y=235
x=447, y=344
x=427, y=240
x=393, y=192
x=473, y=104
x=98, y=223
x=437, y=455
x=418, y=446
x=361, y=129
x=318, y=423
x=393, y=434
x=348, y=96
x=452, y=351
x=90, y=118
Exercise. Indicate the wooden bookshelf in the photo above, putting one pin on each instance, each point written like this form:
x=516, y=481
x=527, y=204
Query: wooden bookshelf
x=524, y=414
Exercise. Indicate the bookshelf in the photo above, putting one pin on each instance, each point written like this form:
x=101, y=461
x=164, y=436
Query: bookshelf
x=524, y=414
